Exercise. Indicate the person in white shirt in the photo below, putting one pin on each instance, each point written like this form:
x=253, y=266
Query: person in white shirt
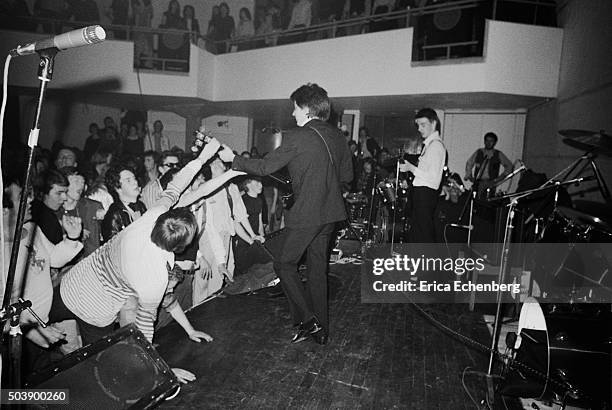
x=224, y=219
x=427, y=177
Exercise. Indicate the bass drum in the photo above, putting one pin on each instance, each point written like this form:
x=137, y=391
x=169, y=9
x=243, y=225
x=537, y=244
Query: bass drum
x=563, y=350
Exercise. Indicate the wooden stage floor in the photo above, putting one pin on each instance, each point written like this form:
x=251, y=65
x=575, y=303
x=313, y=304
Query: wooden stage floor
x=380, y=356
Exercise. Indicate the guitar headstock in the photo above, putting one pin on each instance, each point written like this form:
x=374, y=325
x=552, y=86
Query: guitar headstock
x=201, y=138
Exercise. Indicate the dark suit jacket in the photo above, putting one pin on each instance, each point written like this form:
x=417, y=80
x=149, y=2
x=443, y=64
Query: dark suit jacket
x=117, y=218
x=315, y=182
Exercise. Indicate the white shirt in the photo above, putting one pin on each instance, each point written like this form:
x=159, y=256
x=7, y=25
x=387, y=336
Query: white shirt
x=431, y=163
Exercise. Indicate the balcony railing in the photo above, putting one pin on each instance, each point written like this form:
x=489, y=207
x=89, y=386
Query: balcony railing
x=441, y=31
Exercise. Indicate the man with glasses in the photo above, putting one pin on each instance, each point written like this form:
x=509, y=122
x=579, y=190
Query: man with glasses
x=153, y=190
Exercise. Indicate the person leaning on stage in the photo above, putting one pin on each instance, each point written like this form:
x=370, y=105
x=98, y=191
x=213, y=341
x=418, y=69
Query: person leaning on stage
x=134, y=262
x=319, y=163
x=427, y=177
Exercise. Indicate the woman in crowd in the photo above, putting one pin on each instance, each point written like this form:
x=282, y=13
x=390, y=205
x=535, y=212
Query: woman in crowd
x=244, y=29
x=224, y=28
x=192, y=23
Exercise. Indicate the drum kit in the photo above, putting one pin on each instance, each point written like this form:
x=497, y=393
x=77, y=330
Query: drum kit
x=375, y=214
x=562, y=352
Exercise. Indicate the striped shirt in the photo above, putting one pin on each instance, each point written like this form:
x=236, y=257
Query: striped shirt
x=151, y=193
x=129, y=264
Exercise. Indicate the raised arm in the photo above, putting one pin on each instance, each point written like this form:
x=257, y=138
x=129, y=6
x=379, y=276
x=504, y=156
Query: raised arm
x=184, y=177
x=207, y=188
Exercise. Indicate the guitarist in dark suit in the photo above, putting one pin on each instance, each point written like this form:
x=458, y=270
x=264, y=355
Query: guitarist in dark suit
x=483, y=167
x=319, y=164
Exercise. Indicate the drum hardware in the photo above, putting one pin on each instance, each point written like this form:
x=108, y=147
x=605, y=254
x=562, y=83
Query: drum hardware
x=567, y=348
x=592, y=143
x=505, y=267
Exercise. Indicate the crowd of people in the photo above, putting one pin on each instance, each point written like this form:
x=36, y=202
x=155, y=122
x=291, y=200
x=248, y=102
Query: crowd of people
x=224, y=31
x=81, y=200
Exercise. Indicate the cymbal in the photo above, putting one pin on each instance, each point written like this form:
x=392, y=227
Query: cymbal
x=581, y=133
x=591, y=213
x=588, y=141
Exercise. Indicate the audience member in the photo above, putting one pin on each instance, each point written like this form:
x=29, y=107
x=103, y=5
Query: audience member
x=33, y=282
x=269, y=25
x=368, y=147
x=255, y=204
x=92, y=142
x=118, y=12
x=85, y=11
x=244, y=29
x=133, y=143
x=143, y=41
x=126, y=208
x=224, y=28
x=382, y=7
x=150, y=162
x=355, y=9
x=49, y=200
x=192, y=24
x=157, y=141
x=66, y=157
x=153, y=190
x=226, y=217
x=91, y=212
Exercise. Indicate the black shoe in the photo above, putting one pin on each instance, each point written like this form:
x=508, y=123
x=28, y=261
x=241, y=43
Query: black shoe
x=321, y=337
x=306, y=329
x=300, y=336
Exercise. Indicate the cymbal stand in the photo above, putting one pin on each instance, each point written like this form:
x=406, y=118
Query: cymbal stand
x=585, y=160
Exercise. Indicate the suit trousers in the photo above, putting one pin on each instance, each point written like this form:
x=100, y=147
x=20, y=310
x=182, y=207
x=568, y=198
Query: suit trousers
x=310, y=299
x=424, y=202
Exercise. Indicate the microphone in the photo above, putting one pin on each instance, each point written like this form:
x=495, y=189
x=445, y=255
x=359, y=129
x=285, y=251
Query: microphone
x=74, y=38
x=513, y=173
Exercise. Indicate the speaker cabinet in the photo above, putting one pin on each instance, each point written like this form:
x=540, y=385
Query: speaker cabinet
x=122, y=370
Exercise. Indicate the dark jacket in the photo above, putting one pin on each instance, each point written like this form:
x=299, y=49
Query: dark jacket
x=316, y=183
x=117, y=218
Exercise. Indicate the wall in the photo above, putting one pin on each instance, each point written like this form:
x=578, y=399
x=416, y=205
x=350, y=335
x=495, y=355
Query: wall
x=233, y=131
x=384, y=60
x=63, y=120
x=103, y=67
x=585, y=90
x=464, y=132
x=272, y=73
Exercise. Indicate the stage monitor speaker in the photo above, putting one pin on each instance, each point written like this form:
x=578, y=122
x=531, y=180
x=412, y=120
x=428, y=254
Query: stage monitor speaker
x=122, y=370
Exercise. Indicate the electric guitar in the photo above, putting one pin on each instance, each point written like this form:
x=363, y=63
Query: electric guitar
x=202, y=137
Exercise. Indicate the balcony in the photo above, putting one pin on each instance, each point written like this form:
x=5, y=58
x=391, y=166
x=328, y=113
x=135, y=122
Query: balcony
x=510, y=66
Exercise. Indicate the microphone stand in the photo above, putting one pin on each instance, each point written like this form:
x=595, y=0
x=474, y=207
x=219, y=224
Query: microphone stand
x=394, y=207
x=45, y=73
x=373, y=192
